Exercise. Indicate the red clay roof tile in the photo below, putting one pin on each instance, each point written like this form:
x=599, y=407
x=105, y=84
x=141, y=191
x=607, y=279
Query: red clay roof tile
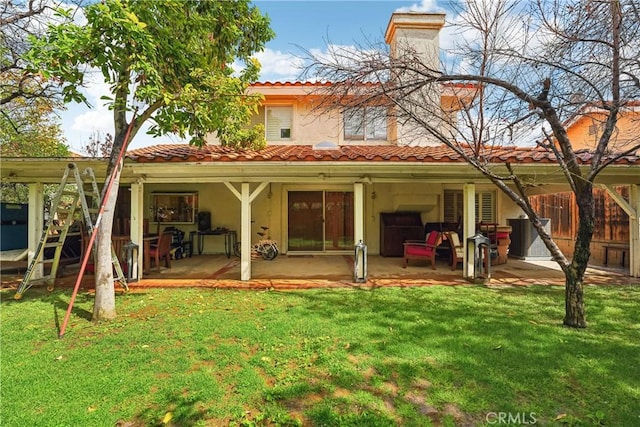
x=346, y=153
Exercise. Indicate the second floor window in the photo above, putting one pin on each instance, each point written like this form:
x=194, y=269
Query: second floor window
x=368, y=123
x=278, y=123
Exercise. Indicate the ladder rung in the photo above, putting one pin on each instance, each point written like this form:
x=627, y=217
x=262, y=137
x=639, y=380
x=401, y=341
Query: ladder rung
x=69, y=193
x=64, y=211
x=53, y=245
x=42, y=279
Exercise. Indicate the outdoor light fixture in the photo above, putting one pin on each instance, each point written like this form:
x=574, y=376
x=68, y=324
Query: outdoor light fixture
x=360, y=263
x=478, y=258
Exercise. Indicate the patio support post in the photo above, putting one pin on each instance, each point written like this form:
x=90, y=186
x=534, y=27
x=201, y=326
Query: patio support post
x=136, y=230
x=631, y=208
x=36, y=225
x=358, y=212
x=246, y=197
x=245, y=233
x=468, y=223
x=634, y=229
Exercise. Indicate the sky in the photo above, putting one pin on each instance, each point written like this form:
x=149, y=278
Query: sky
x=298, y=25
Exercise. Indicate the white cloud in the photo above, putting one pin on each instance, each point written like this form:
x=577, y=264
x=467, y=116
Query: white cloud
x=97, y=119
x=423, y=6
x=279, y=66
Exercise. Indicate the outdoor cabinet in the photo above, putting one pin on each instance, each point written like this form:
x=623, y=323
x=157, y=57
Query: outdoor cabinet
x=14, y=229
x=525, y=241
x=395, y=228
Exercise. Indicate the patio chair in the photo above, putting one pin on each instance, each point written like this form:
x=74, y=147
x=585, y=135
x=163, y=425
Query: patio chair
x=162, y=250
x=457, y=249
x=418, y=249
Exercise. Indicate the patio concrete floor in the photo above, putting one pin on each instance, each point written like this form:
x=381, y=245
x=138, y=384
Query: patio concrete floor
x=311, y=271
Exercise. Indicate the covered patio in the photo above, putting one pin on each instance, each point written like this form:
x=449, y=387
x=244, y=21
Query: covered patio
x=237, y=188
x=313, y=271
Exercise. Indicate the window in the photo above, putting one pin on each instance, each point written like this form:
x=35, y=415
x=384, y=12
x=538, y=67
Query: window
x=365, y=124
x=174, y=207
x=278, y=123
x=485, y=206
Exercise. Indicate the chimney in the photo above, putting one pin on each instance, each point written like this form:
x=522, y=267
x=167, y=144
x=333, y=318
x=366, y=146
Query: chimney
x=419, y=33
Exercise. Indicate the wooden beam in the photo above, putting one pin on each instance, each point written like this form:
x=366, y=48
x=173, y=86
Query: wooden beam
x=634, y=232
x=630, y=210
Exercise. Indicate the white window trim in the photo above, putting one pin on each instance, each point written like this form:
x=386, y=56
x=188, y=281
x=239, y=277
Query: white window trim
x=482, y=198
x=364, y=126
x=275, y=136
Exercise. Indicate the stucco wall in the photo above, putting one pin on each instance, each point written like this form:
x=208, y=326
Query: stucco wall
x=270, y=207
x=581, y=133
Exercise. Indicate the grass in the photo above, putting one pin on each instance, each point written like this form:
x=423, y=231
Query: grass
x=383, y=357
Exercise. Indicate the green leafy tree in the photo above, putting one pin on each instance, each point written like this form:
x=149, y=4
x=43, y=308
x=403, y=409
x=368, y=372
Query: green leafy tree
x=168, y=63
x=27, y=98
x=29, y=128
x=28, y=124
x=19, y=21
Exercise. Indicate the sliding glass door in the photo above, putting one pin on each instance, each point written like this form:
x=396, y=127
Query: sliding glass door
x=320, y=221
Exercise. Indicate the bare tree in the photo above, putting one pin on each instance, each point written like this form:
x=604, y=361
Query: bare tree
x=517, y=68
x=99, y=145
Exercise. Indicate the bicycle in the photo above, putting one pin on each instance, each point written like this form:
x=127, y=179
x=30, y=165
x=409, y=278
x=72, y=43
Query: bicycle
x=265, y=247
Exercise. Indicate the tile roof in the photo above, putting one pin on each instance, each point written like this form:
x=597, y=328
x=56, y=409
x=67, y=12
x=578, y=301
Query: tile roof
x=327, y=83
x=346, y=153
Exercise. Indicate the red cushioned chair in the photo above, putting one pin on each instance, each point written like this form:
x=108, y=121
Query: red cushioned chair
x=417, y=249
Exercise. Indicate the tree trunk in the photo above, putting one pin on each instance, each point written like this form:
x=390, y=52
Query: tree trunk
x=574, y=275
x=574, y=301
x=104, y=307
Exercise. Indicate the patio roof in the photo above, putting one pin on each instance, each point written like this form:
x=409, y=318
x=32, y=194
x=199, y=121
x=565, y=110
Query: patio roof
x=348, y=153
x=346, y=163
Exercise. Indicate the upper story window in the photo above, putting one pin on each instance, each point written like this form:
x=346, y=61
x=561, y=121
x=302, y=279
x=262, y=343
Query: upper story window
x=368, y=123
x=278, y=122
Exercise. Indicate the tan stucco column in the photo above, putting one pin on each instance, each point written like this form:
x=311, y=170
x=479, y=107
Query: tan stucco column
x=136, y=231
x=469, y=223
x=36, y=226
x=358, y=212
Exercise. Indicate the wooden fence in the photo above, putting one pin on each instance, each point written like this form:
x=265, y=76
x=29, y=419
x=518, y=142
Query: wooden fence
x=611, y=221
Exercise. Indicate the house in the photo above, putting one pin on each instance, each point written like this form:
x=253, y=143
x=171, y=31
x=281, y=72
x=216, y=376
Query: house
x=324, y=181
x=584, y=128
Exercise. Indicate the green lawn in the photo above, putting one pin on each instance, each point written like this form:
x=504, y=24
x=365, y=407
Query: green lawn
x=384, y=357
